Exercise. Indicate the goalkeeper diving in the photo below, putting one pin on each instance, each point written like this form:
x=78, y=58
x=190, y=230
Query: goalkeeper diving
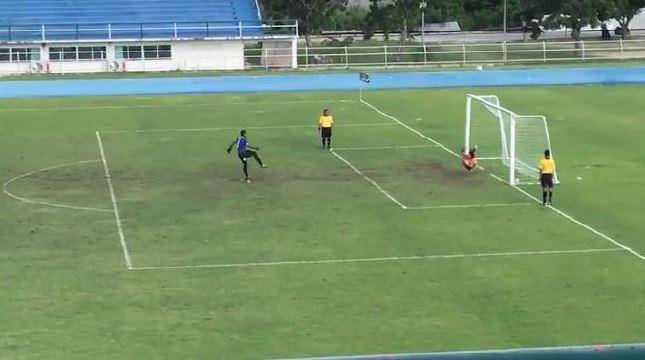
x=469, y=159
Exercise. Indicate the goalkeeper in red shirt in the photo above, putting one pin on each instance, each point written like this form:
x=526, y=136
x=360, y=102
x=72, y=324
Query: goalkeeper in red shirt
x=469, y=160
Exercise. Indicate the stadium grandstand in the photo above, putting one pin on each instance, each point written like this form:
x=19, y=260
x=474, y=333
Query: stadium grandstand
x=133, y=35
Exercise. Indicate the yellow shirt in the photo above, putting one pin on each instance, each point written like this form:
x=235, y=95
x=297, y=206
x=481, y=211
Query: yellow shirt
x=547, y=166
x=325, y=121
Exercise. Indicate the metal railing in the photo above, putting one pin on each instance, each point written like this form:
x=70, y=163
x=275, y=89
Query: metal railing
x=280, y=55
x=446, y=54
x=147, y=31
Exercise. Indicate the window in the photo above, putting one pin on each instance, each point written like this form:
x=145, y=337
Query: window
x=4, y=54
x=149, y=52
x=128, y=52
x=91, y=53
x=164, y=52
x=63, y=53
x=20, y=54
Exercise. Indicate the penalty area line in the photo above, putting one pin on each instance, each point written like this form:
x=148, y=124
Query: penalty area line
x=119, y=225
x=556, y=210
x=439, y=207
x=396, y=147
x=376, y=185
x=378, y=259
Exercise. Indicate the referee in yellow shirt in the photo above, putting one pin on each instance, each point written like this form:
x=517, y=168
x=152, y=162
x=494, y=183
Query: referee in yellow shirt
x=325, y=123
x=547, y=169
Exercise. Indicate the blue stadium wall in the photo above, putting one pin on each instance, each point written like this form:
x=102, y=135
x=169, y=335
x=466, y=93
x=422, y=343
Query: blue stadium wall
x=596, y=352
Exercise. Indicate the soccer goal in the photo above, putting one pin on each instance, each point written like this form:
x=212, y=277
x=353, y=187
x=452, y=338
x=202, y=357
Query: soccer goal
x=518, y=141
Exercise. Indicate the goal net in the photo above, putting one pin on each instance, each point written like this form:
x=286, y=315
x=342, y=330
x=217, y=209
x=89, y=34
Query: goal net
x=518, y=141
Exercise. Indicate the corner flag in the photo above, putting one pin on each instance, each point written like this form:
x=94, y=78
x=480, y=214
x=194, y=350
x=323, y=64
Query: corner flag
x=364, y=77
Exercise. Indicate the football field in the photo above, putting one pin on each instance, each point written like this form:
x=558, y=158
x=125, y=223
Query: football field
x=126, y=231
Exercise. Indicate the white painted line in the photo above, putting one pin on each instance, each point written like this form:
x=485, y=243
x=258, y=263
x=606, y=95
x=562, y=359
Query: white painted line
x=370, y=180
x=119, y=225
x=165, y=106
x=378, y=259
x=243, y=127
x=576, y=221
x=439, y=207
x=560, y=212
x=384, y=147
x=5, y=188
x=405, y=125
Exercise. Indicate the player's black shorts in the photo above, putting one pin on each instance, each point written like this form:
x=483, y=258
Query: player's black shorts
x=244, y=155
x=546, y=180
x=325, y=132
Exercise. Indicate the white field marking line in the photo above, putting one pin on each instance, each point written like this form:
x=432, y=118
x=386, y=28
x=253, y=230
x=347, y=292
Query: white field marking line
x=575, y=221
x=558, y=211
x=384, y=147
x=439, y=207
x=5, y=188
x=379, y=259
x=162, y=106
x=247, y=128
x=438, y=144
x=351, y=166
x=119, y=225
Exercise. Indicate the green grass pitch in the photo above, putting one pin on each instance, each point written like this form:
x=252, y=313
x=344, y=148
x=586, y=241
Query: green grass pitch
x=312, y=259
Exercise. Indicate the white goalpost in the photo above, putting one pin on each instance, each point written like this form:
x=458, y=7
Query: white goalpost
x=518, y=141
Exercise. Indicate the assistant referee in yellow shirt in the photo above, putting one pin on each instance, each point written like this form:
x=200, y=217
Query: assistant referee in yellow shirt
x=325, y=123
x=547, y=169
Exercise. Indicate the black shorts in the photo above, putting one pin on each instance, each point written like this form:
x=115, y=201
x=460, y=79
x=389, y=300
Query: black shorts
x=546, y=180
x=325, y=132
x=244, y=155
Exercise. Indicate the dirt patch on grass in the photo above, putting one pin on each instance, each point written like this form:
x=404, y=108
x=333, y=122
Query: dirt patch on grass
x=429, y=172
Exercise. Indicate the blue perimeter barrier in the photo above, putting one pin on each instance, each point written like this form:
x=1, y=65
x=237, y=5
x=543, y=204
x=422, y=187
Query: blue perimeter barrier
x=322, y=82
x=595, y=352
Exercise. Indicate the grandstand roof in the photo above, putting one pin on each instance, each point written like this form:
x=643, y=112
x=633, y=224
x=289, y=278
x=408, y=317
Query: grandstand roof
x=23, y=20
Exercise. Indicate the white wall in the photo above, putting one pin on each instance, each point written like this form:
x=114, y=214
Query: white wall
x=194, y=55
x=186, y=55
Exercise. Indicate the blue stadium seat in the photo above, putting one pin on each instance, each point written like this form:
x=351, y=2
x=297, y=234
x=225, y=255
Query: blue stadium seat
x=23, y=20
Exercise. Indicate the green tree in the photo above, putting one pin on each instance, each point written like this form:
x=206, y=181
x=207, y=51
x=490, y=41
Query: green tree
x=624, y=11
x=571, y=14
x=448, y=10
x=406, y=12
x=311, y=14
x=379, y=18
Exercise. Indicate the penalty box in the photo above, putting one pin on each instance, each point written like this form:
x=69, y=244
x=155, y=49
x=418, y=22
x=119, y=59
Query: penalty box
x=182, y=203
x=178, y=191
